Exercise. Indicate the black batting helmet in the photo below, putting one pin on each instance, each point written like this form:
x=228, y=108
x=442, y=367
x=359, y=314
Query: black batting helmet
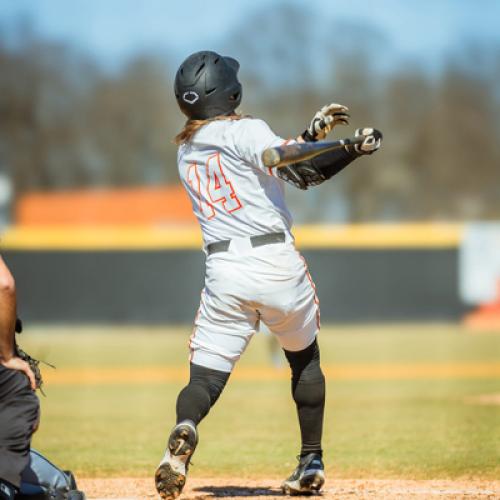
x=206, y=85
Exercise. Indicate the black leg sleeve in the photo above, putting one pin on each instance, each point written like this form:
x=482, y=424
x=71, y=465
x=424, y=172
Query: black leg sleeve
x=204, y=388
x=308, y=390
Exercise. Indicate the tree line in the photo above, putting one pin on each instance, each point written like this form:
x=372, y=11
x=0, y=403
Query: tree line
x=68, y=122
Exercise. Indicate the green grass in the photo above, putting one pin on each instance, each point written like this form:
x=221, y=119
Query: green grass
x=420, y=428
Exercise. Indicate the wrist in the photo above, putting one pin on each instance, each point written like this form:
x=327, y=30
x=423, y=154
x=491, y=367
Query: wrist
x=5, y=357
x=351, y=151
x=308, y=137
x=7, y=352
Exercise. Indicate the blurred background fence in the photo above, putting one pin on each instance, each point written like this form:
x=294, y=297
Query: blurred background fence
x=363, y=273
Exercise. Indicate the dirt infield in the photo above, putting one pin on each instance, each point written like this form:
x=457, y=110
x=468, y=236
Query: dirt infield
x=200, y=489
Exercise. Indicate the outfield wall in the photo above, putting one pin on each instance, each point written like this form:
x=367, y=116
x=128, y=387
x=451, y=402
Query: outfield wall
x=362, y=273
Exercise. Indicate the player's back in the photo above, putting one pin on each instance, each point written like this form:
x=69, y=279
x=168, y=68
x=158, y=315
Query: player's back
x=233, y=194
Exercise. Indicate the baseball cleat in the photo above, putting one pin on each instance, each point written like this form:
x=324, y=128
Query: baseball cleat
x=308, y=478
x=170, y=476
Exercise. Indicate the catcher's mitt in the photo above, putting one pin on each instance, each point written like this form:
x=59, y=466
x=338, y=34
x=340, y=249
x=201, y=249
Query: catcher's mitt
x=34, y=363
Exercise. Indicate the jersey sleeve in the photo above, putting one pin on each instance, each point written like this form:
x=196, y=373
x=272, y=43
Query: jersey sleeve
x=252, y=138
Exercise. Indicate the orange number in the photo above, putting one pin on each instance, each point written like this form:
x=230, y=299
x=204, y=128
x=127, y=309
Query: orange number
x=220, y=189
x=193, y=178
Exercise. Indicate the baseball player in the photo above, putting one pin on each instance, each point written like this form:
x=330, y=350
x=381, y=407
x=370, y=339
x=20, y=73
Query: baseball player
x=253, y=271
x=19, y=407
x=24, y=473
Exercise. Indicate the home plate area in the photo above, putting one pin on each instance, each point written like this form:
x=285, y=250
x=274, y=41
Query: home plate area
x=228, y=488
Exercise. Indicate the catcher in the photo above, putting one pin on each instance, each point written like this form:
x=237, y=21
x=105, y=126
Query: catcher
x=24, y=473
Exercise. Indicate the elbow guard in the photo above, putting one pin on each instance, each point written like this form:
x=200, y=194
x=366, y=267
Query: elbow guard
x=302, y=174
x=317, y=170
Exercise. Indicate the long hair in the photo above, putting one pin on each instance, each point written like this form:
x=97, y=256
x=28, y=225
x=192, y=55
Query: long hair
x=192, y=126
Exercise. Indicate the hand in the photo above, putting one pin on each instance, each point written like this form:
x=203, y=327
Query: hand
x=324, y=121
x=371, y=144
x=20, y=365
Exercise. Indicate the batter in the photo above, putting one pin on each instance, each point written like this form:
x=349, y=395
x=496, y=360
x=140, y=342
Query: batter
x=253, y=271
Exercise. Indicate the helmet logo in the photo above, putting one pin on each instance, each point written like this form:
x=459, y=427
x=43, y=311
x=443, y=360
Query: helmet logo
x=190, y=97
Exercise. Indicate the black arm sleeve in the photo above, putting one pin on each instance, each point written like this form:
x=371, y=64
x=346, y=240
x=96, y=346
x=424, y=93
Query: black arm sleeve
x=317, y=170
x=332, y=162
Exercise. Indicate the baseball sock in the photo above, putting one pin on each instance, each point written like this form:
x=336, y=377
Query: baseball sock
x=204, y=388
x=308, y=391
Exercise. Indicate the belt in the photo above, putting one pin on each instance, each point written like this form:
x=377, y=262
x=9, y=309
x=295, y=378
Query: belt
x=255, y=241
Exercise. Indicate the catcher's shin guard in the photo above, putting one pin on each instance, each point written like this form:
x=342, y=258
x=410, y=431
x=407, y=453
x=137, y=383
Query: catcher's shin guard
x=42, y=480
x=7, y=491
x=170, y=476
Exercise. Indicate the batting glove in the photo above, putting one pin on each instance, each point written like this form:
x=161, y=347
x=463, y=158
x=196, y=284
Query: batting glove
x=371, y=143
x=324, y=121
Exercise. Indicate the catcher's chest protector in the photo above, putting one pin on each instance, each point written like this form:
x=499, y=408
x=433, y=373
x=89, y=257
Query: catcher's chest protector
x=42, y=480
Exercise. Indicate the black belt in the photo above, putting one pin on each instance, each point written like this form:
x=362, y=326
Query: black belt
x=255, y=241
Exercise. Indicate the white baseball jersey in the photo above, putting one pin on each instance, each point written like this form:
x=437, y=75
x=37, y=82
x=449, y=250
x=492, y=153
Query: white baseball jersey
x=233, y=194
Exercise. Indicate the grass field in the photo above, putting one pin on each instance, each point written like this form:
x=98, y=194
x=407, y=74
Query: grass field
x=412, y=402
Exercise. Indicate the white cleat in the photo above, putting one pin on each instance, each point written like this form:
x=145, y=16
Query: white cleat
x=170, y=476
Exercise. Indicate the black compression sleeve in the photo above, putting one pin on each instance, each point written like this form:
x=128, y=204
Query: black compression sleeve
x=332, y=162
x=308, y=391
x=204, y=388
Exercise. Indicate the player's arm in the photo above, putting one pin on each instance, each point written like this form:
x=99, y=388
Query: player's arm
x=8, y=357
x=323, y=167
x=251, y=138
x=7, y=312
x=318, y=170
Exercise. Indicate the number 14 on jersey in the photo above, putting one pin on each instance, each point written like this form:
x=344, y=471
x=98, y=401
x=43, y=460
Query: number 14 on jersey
x=212, y=187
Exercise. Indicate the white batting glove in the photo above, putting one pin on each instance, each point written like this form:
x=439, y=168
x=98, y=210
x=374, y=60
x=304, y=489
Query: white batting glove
x=324, y=121
x=370, y=144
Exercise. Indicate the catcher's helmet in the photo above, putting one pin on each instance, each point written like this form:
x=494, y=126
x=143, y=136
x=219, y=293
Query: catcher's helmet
x=206, y=85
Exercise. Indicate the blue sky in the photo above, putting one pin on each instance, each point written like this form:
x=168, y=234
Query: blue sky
x=113, y=30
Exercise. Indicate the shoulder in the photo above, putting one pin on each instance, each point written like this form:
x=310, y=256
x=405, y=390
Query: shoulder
x=251, y=131
x=181, y=150
x=251, y=125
